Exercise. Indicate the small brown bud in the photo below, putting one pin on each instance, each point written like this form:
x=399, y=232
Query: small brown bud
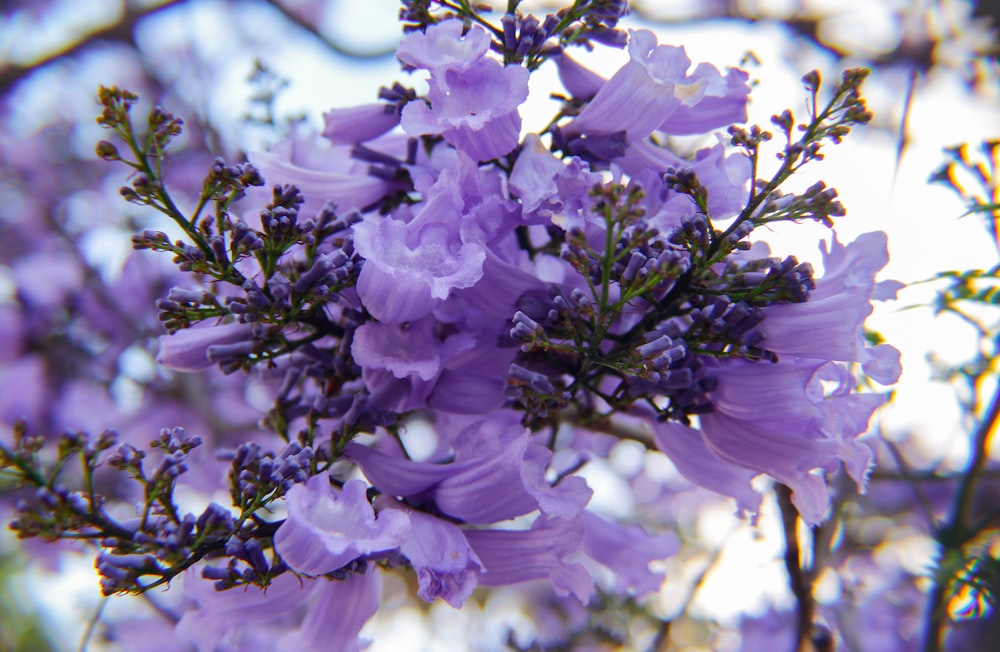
x=107, y=151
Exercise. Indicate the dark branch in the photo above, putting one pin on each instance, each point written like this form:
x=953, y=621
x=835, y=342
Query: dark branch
x=122, y=31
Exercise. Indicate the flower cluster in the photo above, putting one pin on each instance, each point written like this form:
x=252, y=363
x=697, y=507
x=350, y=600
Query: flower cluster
x=425, y=264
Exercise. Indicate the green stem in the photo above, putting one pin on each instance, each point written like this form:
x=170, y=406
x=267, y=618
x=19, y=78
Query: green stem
x=168, y=206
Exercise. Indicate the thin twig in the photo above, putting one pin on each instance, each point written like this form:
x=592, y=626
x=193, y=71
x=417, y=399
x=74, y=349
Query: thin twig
x=906, y=475
x=88, y=633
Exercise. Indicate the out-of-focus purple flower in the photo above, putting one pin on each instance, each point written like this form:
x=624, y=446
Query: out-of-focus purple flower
x=187, y=350
x=323, y=172
x=699, y=465
x=341, y=609
x=542, y=552
x=472, y=100
x=45, y=280
x=830, y=325
x=326, y=530
x=26, y=389
x=627, y=553
x=220, y=614
x=12, y=333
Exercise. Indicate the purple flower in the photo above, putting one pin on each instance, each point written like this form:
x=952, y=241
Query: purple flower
x=445, y=565
x=26, y=392
x=497, y=478
x=188, y=349
x=46, y=280
x=830, y=325
x=219, y=614
x=789, y=420
x=325, y=530
x=411, y=266
x=542, y=552
x=722, y=102
x=654, y=87
x=627, y=552
x=358, y=124
x=724, y=174
x=547, y=186
x=341, y=609
x=401, y=363
x=323, y=172
x=581, y=82
x=472, y=100
x=12, y=333
x=444, y=47
x=699, y=465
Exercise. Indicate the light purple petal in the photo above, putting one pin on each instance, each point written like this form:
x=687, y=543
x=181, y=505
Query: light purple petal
x=627, y=552
x=358, y=124
x=719, y=106
x=220, y=613
x=187, y=349
x=443, y=46
x=475, y=109
x=630, y=101
x=564, y=500
x=513, y=556
x=830, y=325
x=699, y=465
x=446, y=566
x=342, y=608
x=347, y=187
x=325, y=530
x=581, y=82
x=787, y=420
x=395, y=475
x=411, y=266
x=882, y=363
x=496, y=474
x=411, y=351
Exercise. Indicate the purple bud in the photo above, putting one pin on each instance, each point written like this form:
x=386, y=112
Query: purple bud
x=532, y=379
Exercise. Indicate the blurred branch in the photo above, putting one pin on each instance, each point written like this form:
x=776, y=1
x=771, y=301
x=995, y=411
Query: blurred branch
x=799, y=579
x=122, y=31
x=955, y=533
x=332, y=45
x=907, y=475
x=928, y=476
x=807, y=27
x=662, y=641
